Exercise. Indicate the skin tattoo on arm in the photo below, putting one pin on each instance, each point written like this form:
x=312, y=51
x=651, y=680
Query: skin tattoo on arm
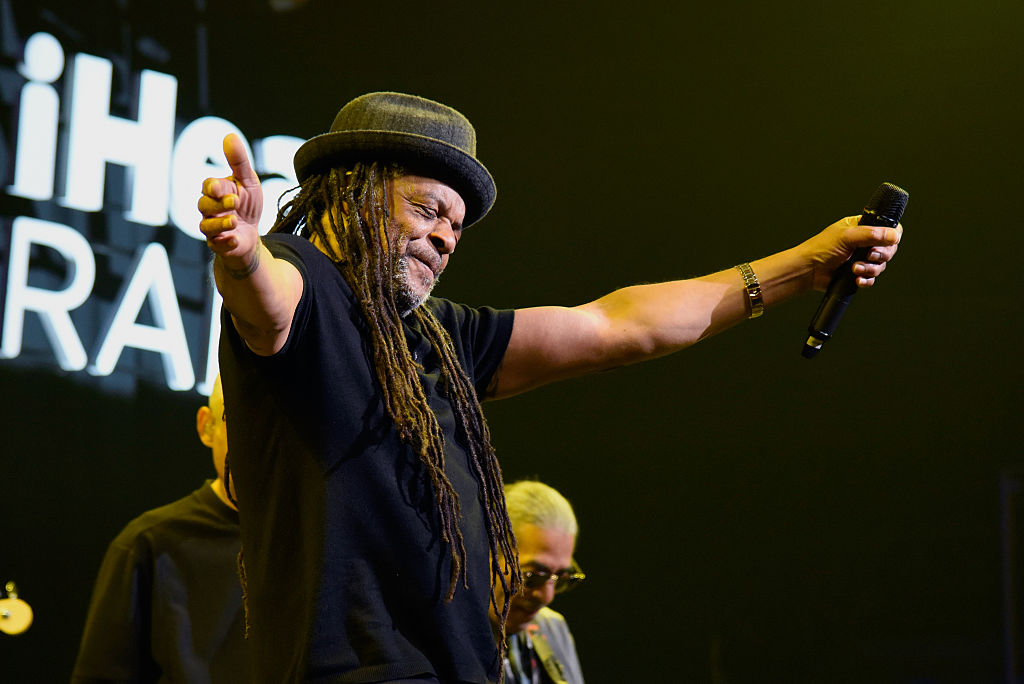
x=245, y=271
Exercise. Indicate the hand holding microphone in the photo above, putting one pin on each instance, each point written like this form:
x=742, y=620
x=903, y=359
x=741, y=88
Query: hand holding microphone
x=885, y=208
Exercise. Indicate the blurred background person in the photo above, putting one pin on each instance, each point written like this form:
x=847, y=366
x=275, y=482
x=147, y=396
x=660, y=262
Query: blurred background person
x=541, y=649
x=167, y=605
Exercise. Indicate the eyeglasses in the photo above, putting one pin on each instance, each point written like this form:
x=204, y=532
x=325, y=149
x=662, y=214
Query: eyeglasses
x=564, y=579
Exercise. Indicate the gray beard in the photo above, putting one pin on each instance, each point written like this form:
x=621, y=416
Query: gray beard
x=406, y=299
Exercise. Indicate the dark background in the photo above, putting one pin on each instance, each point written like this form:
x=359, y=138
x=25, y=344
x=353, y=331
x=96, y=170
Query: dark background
x=746, y=515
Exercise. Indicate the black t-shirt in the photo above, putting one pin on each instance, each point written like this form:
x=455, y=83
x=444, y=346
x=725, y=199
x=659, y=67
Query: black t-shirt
x=346, y=570
x=167, y=606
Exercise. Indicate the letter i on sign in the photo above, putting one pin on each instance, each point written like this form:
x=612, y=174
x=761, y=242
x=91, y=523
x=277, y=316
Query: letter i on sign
x=36, y=156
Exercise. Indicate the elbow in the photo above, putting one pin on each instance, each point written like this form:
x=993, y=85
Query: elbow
x=625, y=344
x=262, y=341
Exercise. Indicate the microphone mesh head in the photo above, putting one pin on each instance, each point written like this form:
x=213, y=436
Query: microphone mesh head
x=888, y=202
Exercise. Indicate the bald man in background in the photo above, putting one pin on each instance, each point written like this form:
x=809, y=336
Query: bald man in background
x=167, y=605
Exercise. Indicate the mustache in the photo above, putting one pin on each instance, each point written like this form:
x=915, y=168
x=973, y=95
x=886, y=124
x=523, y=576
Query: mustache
x=428, y=256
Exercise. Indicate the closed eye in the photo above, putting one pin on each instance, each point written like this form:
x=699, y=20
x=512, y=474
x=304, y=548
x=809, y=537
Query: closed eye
x=426, y=211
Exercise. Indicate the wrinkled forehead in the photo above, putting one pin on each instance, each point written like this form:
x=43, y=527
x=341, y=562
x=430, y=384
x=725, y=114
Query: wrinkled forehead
x=424, y=188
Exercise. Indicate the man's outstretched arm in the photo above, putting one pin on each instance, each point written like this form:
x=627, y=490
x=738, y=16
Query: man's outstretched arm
x=647, y=321
x=259, y=291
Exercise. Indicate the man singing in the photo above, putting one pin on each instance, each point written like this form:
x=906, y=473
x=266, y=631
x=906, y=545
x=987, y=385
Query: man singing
x=373, y=521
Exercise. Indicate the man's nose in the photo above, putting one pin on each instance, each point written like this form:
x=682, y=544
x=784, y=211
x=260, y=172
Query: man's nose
x=442, y=236
x=544, y=594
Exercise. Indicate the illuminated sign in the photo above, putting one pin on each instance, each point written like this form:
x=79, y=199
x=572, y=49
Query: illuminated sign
x=64, y=152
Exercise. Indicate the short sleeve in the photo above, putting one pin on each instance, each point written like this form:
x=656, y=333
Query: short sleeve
x=481, y=337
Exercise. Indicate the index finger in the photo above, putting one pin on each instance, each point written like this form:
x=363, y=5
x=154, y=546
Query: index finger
x=238, y=160
x=219, y=188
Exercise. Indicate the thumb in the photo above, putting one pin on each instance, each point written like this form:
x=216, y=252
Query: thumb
x=238, y=160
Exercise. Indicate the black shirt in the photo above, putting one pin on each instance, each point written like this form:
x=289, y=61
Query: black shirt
x=346, y=570
x=168, y=604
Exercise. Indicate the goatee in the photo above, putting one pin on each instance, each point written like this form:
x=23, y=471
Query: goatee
x=407, y=299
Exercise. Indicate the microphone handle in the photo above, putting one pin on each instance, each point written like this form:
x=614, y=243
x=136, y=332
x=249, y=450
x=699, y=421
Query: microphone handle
x=843, y=285
x=837, y=297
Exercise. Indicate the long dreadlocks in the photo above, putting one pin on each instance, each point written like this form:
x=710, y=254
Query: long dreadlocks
x=348, y=211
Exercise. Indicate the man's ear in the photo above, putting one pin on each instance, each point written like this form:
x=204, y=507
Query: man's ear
x=204, y=425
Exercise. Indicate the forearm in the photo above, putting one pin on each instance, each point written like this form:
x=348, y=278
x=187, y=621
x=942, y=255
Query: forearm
x=260, y=293
x=646, y=321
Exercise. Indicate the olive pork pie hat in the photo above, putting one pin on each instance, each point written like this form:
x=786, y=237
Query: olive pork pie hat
x=428, y=137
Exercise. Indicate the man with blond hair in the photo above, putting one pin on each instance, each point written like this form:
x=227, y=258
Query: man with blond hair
x=540, y=647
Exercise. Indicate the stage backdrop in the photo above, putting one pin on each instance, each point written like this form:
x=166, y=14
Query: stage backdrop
x=746, y=515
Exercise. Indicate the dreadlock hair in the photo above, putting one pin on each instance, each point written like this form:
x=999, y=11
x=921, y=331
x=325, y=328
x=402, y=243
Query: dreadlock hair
x=348, y=211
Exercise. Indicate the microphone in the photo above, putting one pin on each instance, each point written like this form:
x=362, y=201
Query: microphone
x=883, y=209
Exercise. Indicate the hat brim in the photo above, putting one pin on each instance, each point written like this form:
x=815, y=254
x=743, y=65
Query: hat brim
x=419, y=154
